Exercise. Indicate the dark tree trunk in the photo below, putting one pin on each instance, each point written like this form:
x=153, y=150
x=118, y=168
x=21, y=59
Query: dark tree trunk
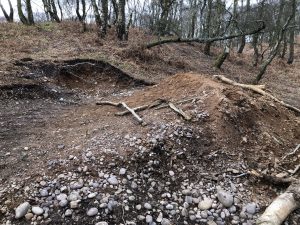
x=207, y=27
x=29, y=12
x=220, y=60
x=97, y=17
x=82, y=17
x=292, y=35
x=9, y=18
x=121, y=26
x=116, y=11
x=23, y=19
x=104, y=17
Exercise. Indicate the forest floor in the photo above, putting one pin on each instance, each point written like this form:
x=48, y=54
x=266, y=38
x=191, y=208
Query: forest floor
x=77, y=162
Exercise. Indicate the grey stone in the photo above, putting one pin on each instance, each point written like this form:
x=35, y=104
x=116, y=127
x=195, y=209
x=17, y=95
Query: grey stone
x=68, y=212
x=44, y=192
x=102, y=223
x=147, y=206
x=37, y=210
x=21, y=210
x=149, y=219
x=122, y=171
x=206, y=203
x=225, y=197
x=113, y=180
x=165, y=222
x=251, y=208
x=92, y=211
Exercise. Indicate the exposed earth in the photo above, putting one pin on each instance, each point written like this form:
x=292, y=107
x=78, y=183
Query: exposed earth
x=66, y=160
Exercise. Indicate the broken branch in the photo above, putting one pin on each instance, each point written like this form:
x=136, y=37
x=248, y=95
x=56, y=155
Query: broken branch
x=257, y=89
x=179, y=111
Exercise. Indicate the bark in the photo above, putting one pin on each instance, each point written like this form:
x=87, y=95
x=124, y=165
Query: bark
x=83, y=16
x=22, y=17
x=282, y=206
x=9, y=18
x=29, y=12
x=121, y=26
x=116, y=11
x=97, y=17
x=243, y=38
x=292, y=34
x=104, y=17
x=205, y=40
x=274, y=51
x=60, y=9
x=220, y=60
x=207, y=27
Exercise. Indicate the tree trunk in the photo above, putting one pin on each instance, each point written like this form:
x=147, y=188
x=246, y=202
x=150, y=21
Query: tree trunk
x=9, y=18
x=97, y=17
x=116, y=11
x=274, y=51
x=60, y=9
x=104, y=17
x=29, y=12
x=243, y=39
x=23, y=19
x=292, y=34
x=220, y=60
x=121, y=26
x=207, y=27
x=82, y=17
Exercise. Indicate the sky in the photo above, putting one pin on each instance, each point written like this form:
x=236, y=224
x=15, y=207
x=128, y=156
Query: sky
x=37, y=6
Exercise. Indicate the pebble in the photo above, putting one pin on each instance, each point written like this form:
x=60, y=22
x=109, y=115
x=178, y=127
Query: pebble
x=224, y=197
x=113, y=180
x=92, y=212
x=28, y=216
x=37, y=210
x=171, y=173
x=159, y=218
x=251, y=208
x=206, y=203
x=68, y=212
x=63, y=203
x=21, y=210
x=44, y=193
x=74, y=204
x=102, y=223
x=149, y=219
x=169, y=207
x=122, y=171
x=165, y=222
x=147, y=206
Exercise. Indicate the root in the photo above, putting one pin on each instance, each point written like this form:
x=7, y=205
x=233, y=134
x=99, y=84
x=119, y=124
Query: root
x=257, y=89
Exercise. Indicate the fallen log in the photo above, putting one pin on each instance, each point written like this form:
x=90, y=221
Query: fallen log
x=179, y=111
x=178, y=102
x=257, y=89
x=282, y=206
x=118, y=104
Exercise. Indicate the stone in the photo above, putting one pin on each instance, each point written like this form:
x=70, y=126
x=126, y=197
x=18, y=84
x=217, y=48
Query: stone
x=171, y=173
x=122, y=171
x=92, y=211
x=63, y=203
x=68, y=212
x=29, y=216
x=205, y=204
x=37, y=210
x=147, y=206
x=251, y=208
x=169, y=207
x=113, y=180
x=74, y=204
x=92, y=195
x=224, y=197
x=102, y=223
x=165, y=222
x=159, y=218
x=21, y=210
x=211, y=222
x=44, y=192
x=149, y=219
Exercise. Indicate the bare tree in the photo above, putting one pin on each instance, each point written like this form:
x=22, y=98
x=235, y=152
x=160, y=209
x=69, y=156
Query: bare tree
x=50, y=9
x=10, y=17
x=81, y=17
x=25, y=20
x=121, y=24
x=292, y=34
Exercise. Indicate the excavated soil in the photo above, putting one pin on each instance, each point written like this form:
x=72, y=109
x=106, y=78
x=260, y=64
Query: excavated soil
x=52, y=118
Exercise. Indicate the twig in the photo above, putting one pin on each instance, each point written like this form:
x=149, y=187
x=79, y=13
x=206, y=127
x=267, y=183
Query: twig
x=292, y=172
x=143, y=107
x=178, y=102
x=179, y=111
x=272, y=179
x=291, y=153
x=139, y=119
x=78, y=64
x=118, y=104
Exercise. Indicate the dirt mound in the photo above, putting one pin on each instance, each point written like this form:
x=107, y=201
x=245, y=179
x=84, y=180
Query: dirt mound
x=235, y=122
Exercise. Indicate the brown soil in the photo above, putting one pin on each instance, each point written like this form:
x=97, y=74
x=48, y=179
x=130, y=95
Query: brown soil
x=48, y=106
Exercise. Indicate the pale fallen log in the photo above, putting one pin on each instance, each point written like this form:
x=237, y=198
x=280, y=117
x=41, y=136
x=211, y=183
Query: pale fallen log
x=139, y=119
x=179, y=111
x=143, y=107
x=118, y=104
x=257, y=89
x=178, y=102
x=282, y=206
